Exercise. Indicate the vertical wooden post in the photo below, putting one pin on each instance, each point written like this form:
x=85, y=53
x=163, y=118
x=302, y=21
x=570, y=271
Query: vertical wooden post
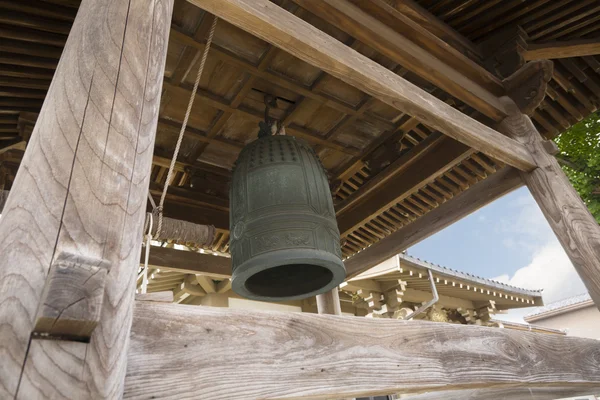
x=77, y=205
x=215, y=300
x=570, y=219
x=329, y=303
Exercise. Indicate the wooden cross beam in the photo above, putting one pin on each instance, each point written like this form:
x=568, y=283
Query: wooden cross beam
x=288, y=32
x=210, y=353
x=562, y=49
x=402, y=40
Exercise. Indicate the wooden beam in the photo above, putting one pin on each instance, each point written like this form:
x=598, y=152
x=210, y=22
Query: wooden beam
x=288, y=32
x=410, y=45
x=222, y=104
x=191, y=210
x=209, y=353
x=381, y=179
x=569, y=218
x=411, y=173
x=562, y=49
x=528, y=393
x=497, y=185
x=82, y=191
x=189, y=262
x=13, y=144
x=439, y=28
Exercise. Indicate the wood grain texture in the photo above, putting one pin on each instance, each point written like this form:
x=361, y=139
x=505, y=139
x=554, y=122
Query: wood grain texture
x=209, y=353
x=72, y=298
x=562, y=49
x=528, y=85
x=81, y=189
x=533, y=393
x=329, y=303
x=422, y=53
x=569, y=218
x=288, y=32
x=189, y=262
x=414, y=170
x=497, y=185
x=161, y=297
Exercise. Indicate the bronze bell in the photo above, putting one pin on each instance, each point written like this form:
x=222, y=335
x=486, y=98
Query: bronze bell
x=285, y=243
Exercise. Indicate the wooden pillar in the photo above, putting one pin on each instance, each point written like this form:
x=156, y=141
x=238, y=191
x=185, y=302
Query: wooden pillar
x=570, y=219
x=215, y=300
x=329, y=303
x=70, y=232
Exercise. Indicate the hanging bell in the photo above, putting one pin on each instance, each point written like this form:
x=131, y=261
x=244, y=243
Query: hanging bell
x=285, y=243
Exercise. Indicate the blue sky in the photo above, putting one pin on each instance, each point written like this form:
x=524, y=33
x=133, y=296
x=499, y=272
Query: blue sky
x=509, y=240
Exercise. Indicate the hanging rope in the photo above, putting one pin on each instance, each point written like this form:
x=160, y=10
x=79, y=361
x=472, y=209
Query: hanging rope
x=163, y=195
x=147, y=255
x=179, y=228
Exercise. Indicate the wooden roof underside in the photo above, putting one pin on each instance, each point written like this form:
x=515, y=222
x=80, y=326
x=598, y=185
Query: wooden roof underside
x=357, y=137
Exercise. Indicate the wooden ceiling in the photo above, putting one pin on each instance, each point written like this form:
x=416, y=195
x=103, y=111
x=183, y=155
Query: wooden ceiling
x=386, y=169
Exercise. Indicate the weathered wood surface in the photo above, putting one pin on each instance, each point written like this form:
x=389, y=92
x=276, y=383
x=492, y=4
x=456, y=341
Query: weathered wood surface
x=72, y=298
x=189, y=262
x=284, y=30
x=528, y=85
x=329, y=303
x=534, y=393
x=208, y=353
x=161, y=297
x=439, y=28
x=569, y=218
x=497, y=185
x=562, y=49
x=410, y=173
x=82, y=189
x=407, y=43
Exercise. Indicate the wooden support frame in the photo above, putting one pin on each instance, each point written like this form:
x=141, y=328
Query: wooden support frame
x=215, y=353
x=282, y=29
x=562, y=49
x=75, y=212
x=389, y=32
x=406, y=175
x=569, y=218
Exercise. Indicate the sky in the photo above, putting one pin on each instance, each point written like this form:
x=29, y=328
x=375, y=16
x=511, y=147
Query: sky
x=508, y=240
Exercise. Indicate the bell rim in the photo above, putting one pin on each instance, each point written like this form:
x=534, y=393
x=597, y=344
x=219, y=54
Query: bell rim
x=262, y=262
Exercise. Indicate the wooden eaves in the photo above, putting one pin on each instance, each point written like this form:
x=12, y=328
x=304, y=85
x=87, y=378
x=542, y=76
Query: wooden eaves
x=74, y=216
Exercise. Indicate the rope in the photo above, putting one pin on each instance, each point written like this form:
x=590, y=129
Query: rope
x=147, y=255
x=159, y=209
x=181, y=232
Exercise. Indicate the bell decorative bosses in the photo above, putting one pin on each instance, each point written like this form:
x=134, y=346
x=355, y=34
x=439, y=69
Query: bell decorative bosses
x=285, y=243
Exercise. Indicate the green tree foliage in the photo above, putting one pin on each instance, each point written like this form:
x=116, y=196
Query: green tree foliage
x=580, y=159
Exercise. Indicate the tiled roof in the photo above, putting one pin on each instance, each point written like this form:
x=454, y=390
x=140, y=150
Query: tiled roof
x=557, y=305
x=474, y=278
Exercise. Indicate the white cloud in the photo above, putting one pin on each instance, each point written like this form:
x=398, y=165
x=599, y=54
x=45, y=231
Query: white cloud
x=550, y=268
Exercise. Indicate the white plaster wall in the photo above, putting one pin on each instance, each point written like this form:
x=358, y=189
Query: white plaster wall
x=584, y=322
